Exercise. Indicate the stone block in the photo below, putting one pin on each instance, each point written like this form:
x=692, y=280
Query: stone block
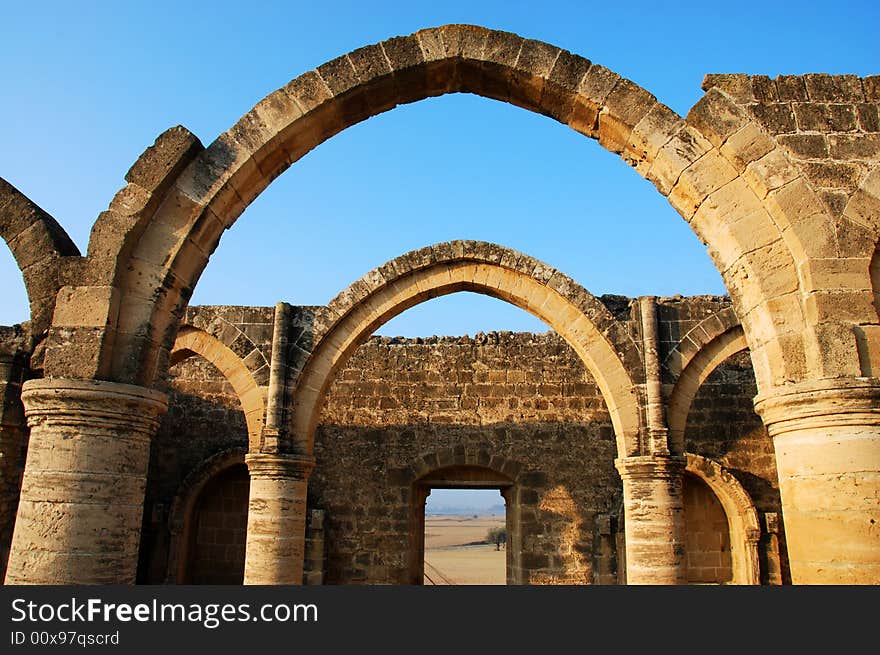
x=172, y=150
x=776, y=118
x=791, y=87
x=869, y=117
x=716, y=117
x=806, y=146
x=854, y=146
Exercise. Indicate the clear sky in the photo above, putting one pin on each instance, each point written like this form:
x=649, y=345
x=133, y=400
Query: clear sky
x=88, y=85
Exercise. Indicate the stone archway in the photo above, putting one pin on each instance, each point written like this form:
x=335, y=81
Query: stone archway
x=601, y=342
x=461, y=475
x=692, y=376
x=181, y=515
x=742, y=517
x=697, y=163
x=193, y=341
x=38, y=243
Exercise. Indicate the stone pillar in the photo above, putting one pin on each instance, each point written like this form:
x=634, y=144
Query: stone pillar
x=82, y=495
x=653, y=519
x=313, y=572
x=276, y=518
x=827, y=440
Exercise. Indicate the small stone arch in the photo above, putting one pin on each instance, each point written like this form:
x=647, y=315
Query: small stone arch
x=699, y=367
x=698, y=163
x=697, y=338
x=38, y=244
x=577, y=316
x=193, y=341
x=181, y=513
x=742, y=517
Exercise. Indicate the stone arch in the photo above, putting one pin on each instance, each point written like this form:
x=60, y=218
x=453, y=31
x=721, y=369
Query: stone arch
x=38, y=243
x=698, y=368
x=697, y=338
x=182, y=507
x=697, y=163
x=193, y=341
x=577, y=316
x=742, y=517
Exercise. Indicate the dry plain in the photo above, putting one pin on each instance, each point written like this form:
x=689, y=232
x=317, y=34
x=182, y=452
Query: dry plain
x=453, y=557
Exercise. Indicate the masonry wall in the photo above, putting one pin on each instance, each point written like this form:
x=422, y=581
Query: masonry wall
x=520, y=398
x=403, y=405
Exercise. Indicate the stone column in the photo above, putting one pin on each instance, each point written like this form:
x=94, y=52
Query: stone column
x=82, y=495
x=827, y=440
x=276, y=518
x=653, y=519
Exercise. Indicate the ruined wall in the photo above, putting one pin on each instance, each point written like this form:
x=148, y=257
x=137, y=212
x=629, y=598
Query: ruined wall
x=404, y=406
x=829, y=124
x=522, y=398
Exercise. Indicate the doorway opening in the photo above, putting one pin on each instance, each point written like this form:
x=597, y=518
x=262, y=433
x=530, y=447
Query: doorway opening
x=464, y=528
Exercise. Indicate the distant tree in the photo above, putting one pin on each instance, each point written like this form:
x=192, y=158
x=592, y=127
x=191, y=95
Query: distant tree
x=497, y=536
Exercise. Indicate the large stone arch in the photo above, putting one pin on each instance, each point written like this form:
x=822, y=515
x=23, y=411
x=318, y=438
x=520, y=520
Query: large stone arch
x=700, y=164
x=37, y=243
x=742, y=517
x=695, y=372
x=576, y=315
x=193, y=341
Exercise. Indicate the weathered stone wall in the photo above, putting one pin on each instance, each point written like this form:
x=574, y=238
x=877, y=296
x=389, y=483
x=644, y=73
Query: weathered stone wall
x=401, y=407
x=829, y=124
x=219, y=526
x=518, y=397
x=707, y=535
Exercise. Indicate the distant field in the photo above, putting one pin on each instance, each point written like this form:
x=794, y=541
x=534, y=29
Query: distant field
x=448, y=560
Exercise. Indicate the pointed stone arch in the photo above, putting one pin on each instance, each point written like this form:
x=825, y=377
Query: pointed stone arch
x=699, y=367
x=193, y=341
x=697, y=163
x=742, y=517
x=180, y=516
x=38, y=244
x=600, y=341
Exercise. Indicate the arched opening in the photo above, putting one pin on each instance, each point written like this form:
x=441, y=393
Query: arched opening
x=730, y=449
x=578, y=317
x=445, y=566
x=221, y=181
x=400, y=410
x=206, y=415
x=14, y=306
x=218, y=529
x=707, y=534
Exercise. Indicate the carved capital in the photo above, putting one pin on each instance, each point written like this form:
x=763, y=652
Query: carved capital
x=94, y=404
x=273, y=466
x=820, y=404
x=647, y=467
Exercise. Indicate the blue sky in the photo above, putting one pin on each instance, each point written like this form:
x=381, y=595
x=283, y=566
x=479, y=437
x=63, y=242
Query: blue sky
x=87, y=86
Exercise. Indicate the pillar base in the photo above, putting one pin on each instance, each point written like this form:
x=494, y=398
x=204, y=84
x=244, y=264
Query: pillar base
x=82, y=494
x=276, y=518
x=827, y=440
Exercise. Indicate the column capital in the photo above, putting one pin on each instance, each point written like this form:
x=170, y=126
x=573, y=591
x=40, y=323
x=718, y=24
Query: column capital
x=93, y=402
x=650, y=466
x=275, y=466
x=820, y=403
